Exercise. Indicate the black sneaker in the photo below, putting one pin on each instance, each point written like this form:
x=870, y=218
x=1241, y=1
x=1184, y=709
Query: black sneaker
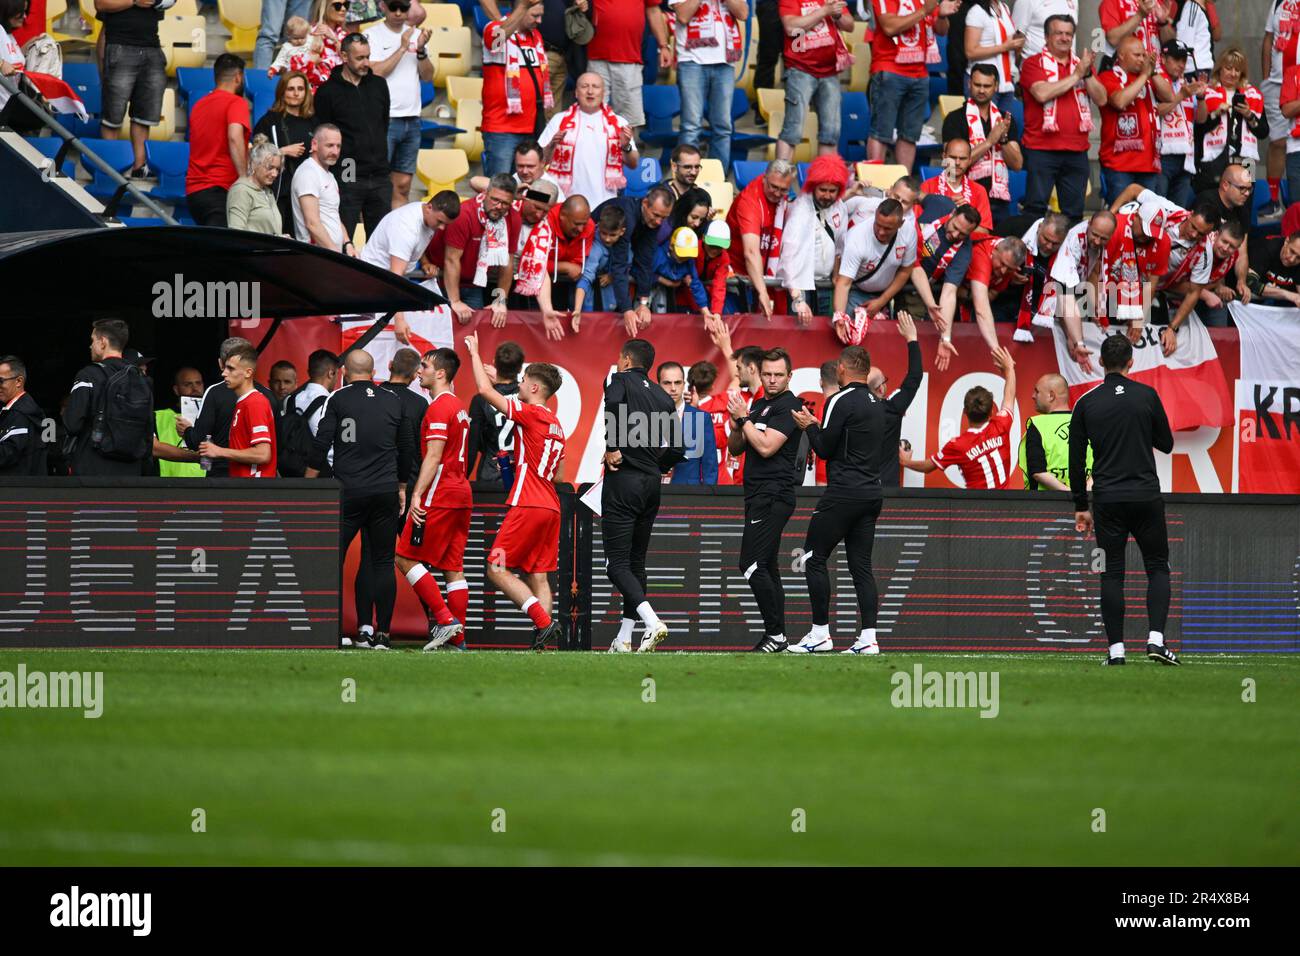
x=1270, y=210
x=1158, y=652
x=543, y=634
x=1112, y=661
x=364, y=639
x=770, y=645
x=381, y=642
x=144, y=172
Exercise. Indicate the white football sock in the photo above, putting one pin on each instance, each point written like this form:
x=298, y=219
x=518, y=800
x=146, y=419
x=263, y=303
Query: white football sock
x=868, y=636
x=821, y=632
x=777, y=637
x=1156, y=638
x=1117, y=649
x=528, y=603
x=647, y=614
x=625, y=629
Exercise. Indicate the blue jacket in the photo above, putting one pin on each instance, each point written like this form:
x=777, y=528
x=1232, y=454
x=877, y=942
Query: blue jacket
x=676, y=270
x=701, y=464
x=632, y=258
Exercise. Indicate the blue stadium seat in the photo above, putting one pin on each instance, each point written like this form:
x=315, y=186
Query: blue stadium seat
x=258, y=84
x=50, y=146
x=172, y=162
x=428, y=93
x=193, y=83
x=1017, y=111
x=118, y=154
x=1260, y=198
x=938, y=87
x=1019, y=179
x=262, y=103
x=803, y=174
x=84, y=78
x=929, y=172
x=747, y=172
x=662, y=104
x=855, y=126
x=742, y=143
x=641, y=179
x=940, y=68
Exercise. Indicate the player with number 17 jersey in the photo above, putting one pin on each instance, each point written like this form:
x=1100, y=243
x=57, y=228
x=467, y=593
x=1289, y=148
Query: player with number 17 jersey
x=529, y=538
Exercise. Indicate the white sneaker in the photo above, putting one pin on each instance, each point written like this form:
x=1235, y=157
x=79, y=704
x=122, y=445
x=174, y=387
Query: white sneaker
x=440, y=634
x=861, y=648
x=621, y=647
x=654, y=636
x=812, y=645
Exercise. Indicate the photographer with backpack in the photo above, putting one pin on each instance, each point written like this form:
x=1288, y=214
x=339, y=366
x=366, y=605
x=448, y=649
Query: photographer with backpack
x=109, y=415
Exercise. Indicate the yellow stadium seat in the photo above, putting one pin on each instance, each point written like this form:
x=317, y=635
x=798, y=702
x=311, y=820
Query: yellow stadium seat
x=88, y=15
x=723, y=194
x=184, y=41
x=882, y=177
x=440, y=169
x=857, y=35
x=450, y=52
x=711, y=171
x=769, y=102
x=184, y=8
x=53, y=10
x=807, y=148
x=747, y=65
x=447, y=15
x=463, y=88
x=359, y=236
x=860, y=71
x=469, y=117
x=242, y=18
x=166, y=127
x=947, y=103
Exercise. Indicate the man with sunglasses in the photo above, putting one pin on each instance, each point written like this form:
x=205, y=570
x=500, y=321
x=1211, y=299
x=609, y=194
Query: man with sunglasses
x=356, y=101
x=398, y=54
x=1232, y=197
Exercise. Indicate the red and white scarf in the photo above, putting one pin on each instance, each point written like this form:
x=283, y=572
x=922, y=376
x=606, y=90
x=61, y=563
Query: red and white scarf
x=960, y=197
x=1148, y=31
x=773, y=250
x=1284, y=41
x=1052, y=74
x=991, y=165
x=931, y=237
x=493, y=247
x=1120, y=270
x=514, y=53
x=1176, y=125
x=1038, y=304
x=1220, y=267
x=1190, y=259
x=918, y=44
x=1001, y=22
x=824, y=34
x=565, y=143
x=1128, y=136
x=702, y=32
x=1216, y=98
x=534, y=260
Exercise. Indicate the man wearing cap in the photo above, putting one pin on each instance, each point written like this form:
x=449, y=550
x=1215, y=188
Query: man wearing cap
x=815, y=228
x=1177, y=123
x=1136, y=256
x=715, y=265
x=533, y=202
x=551, y=261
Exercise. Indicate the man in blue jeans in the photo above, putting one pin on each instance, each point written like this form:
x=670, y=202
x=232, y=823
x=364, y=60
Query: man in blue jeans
x=708, y=43
x=516, y=84
x=812, y=71
x=275, y=13
x=397, y=53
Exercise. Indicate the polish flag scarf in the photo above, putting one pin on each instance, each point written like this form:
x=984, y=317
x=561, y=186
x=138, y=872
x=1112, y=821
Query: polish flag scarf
x=514, y=45
x=534, y=260
x=61, y=97
x=1052, y=72
x=991, y=165
x=700, y=32
x=566, y=140
x=918, y=44
x=772, y=263
x=1148, y=31
x=932, y=235
x=493, y=247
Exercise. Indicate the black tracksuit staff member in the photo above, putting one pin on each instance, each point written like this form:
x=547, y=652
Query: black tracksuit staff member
x=643, y=439
x=1123, y=420
x=770, y=479
x=364, y=425
x=852, y=439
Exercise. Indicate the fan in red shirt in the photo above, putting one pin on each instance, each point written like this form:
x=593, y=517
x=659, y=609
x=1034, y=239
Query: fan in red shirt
x=756, y=220
x=252, y=431
x=441, y=501
x=954, y=182
x=465, y=249
x=1129, y=127
x=529, y=538
x=219, y=128
x=996, y=263
x=514, y=56
x=1136, y=257
x=983, y=451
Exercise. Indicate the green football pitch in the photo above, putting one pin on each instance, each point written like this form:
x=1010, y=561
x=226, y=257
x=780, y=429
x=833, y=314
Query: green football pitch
x=515, y=758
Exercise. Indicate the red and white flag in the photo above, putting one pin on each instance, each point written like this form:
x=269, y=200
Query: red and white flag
x=61, y=97
x=1191, y=383
x=1267, y=459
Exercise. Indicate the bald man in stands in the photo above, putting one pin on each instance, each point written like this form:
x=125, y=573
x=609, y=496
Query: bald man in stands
x=1045, y=451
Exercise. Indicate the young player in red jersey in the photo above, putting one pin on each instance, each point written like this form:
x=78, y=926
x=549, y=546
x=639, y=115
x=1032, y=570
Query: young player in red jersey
x=437, y=525
x=529, y=538
x=252, y=431
x=983, y=451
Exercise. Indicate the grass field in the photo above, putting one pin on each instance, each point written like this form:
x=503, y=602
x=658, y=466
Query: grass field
x=711, y=772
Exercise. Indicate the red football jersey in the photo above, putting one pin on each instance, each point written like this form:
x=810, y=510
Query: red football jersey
x=447, y=419
x=253, y=424
x=716, y=406
x=539, y=449
x=983, y=454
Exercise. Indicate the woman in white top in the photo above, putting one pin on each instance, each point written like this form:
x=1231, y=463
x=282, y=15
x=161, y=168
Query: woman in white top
x=1194, y=31
x=992, y=38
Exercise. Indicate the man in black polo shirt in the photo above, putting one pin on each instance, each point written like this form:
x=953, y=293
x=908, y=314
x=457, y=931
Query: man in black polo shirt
x=1233, y=198
x=771, y=474
x=1123, y=420
x=1275, y=270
